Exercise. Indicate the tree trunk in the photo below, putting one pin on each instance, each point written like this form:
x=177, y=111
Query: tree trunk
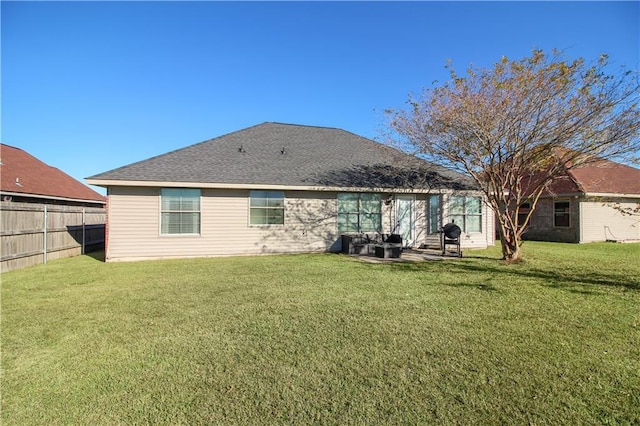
x=510, y=244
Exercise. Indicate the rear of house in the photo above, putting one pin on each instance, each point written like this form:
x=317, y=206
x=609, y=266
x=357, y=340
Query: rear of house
x=242, y=221
x=279, y=188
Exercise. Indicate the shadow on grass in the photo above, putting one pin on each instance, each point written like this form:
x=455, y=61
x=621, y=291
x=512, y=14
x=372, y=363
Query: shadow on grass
x=96, y=255
x=572, y=281
x=559, y=279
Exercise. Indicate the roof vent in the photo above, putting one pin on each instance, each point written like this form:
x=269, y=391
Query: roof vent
x=18, y=182
x=241, y=149
x=283, y=151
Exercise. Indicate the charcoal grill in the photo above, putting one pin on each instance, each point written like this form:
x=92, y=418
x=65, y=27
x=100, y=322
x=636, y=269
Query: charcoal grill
x=450, y=236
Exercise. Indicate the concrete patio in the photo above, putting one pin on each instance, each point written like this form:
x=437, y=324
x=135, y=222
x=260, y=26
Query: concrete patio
x=408, y=255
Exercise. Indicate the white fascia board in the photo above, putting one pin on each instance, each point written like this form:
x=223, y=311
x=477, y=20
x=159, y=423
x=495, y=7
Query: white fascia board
x=591, y=195
x=610, y=195
x=204, y=185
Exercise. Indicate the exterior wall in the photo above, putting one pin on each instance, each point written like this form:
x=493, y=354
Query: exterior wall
x=541, y=227
x=602, y=222
x=310, y=225
x=591, y=220
x=473, y=240
x=134, y=226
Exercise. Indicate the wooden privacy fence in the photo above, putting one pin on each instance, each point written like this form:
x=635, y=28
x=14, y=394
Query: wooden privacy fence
x=36, y=233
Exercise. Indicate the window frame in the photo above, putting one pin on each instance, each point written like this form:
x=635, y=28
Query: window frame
x=465, y=215
x=435, y=216
x=180, y=211
x=565, y=213
x=363, y=212
x=523, y=210
x=253, y=196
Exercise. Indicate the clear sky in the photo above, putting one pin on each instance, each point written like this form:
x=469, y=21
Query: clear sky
x=91, y=86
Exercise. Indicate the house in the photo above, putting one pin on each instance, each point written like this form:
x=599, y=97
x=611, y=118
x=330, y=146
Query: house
x=45, y=214
x=283, y=188
x=589, y=203
x=26, y=179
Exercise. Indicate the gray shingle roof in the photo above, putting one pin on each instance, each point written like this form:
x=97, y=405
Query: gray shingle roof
x=291, y=155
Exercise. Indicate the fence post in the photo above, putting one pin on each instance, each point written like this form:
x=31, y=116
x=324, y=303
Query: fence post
x=45, y=233
x=83, y=229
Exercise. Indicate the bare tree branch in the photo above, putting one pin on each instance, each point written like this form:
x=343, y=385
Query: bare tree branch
x=519, y=125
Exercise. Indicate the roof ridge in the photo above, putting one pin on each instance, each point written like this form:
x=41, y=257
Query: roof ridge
x=302, y=125
x=325, y=156
x=11, y=146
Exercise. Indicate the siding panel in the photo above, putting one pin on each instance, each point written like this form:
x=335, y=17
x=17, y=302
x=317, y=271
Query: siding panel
x=310, y=225
x=601, y=222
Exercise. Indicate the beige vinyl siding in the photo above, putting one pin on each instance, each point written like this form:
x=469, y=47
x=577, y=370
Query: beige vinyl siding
x=471, y=240
x=310, y=225
x=133, y=221
x=601, y=222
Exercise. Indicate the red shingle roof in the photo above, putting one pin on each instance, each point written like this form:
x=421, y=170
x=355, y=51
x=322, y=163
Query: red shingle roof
x=598, y=177
x=607, y=177
x=22, y=173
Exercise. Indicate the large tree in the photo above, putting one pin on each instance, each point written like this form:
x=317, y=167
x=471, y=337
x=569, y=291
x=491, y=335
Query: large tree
x=516, y=126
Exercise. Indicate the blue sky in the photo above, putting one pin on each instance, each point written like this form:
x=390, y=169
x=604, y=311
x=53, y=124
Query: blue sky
x=91, y=86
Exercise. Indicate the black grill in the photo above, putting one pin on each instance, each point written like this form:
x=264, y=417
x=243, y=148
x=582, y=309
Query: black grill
x=451, y=236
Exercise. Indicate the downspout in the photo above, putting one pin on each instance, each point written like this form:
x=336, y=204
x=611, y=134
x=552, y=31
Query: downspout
x=579, y=220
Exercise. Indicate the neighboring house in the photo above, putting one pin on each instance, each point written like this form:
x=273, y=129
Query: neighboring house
x=45, y=214
x=282, y=188
x=587, y=204
x=26, y=179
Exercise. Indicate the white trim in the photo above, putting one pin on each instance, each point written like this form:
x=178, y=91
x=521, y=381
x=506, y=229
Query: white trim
x=580, y=221
x=214, y=185
x=266, y=225
x=179, y=235
x=590, y=194
x=608, y=195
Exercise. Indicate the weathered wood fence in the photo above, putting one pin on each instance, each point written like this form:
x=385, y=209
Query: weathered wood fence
x=37, y=233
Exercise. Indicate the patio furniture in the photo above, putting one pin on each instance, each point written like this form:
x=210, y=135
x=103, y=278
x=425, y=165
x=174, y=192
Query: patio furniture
x=380, y=245
x=386, y=250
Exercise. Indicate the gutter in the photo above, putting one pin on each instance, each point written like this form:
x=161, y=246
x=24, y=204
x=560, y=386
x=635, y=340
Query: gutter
x=591, y=194
x=160, y=184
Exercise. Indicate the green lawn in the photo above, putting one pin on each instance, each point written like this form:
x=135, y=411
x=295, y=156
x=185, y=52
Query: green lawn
x=326, y=339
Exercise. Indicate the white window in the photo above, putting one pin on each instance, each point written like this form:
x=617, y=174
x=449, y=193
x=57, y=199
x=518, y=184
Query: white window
x=179, y=211
x=266, y=208
x=466, y=212
x=359, y=212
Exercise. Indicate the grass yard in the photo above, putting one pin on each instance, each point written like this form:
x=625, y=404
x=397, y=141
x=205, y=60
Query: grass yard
x=326, y=339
